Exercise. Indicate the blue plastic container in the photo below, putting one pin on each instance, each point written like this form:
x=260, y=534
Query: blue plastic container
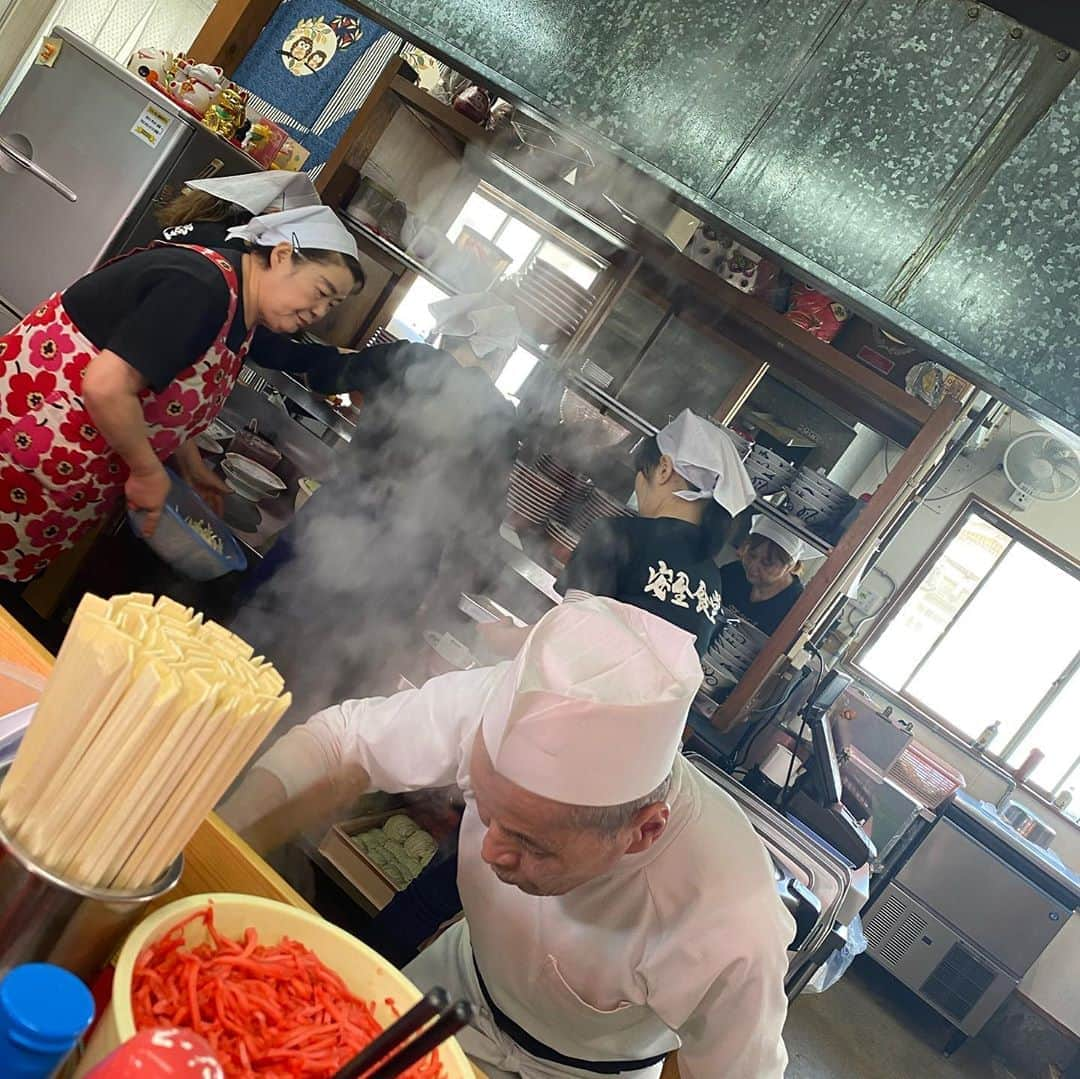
x=176, y=542
x=44, y=1011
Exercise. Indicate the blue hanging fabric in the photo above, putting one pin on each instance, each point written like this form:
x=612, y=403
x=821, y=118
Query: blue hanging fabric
x=310, y=69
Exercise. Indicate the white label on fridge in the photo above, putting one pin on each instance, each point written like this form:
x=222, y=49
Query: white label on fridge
x=151, y=125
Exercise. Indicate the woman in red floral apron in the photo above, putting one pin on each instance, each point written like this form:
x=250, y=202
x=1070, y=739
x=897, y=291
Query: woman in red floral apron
x=80, y=425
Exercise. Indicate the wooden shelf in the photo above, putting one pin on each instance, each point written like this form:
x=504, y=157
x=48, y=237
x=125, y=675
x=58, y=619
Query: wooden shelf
x=775, y=339
x=419, y=99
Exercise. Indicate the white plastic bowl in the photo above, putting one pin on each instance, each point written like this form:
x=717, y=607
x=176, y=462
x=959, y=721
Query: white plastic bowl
x=364, y=971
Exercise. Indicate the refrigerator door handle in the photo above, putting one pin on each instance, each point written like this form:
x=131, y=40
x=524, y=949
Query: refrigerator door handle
x=24, y=162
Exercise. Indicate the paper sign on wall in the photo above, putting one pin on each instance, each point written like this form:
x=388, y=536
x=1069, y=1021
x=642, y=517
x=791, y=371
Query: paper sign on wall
x=151, y=125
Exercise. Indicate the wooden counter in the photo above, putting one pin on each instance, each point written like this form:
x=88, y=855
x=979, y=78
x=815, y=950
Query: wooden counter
x=216, y=859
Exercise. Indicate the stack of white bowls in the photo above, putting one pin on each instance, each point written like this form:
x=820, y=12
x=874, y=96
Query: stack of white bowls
x=769, y=472
x=817, y=502
x=531, y=496
x=737, y=644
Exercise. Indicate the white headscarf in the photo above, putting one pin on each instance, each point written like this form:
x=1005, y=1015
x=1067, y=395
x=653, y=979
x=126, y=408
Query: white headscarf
x=783, y=537
x=706, y=457
x=316, y=228
x=262, y=192
x=592, y=710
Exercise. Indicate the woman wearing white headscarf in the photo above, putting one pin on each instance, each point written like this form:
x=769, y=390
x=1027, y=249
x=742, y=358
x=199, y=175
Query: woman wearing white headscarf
x=689, y=484
x=764, y=583
x=205, y=210
x=104, y=381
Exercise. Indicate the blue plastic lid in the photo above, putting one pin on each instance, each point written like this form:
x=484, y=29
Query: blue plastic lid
x=44, y=1007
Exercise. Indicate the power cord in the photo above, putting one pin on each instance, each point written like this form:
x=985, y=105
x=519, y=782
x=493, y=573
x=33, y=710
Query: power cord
x=746, y=743
x=784, y=798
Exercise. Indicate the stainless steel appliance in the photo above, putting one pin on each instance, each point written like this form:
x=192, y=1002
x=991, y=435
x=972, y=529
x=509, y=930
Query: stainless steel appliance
x=969, y=912
x=89, y=128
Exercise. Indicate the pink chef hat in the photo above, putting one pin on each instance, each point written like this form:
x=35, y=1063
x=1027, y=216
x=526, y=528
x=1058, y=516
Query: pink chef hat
x=592, y=710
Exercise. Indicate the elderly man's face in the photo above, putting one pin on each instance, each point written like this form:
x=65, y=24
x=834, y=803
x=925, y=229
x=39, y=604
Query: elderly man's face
x=533, y=842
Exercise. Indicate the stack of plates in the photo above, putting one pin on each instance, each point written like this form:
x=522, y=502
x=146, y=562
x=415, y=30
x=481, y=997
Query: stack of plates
x=563, y=540
x=816, y=501
x=531, y=495
x=598, y=505
x=736, y=646
x=575, y=487
x=769, y=472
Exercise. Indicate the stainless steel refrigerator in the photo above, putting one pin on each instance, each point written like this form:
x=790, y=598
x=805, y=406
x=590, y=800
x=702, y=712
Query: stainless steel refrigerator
x=86, y=148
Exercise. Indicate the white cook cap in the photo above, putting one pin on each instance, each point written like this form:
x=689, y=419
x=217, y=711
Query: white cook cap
x=262, y=192
x=783, y=537
x=490, y=324
x=592, y=710
x=314, y=228
x=706, y=457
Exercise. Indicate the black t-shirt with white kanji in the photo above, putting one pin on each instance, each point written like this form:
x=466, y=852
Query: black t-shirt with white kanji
x=653, y=563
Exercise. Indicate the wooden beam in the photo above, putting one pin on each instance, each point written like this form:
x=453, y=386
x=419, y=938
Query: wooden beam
x=449, y=117
x=370, y=107
x=230, y=31
x=883, y=505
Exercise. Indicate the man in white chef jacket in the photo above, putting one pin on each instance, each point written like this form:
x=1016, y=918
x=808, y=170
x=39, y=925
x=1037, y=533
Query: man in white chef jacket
x=617, y=904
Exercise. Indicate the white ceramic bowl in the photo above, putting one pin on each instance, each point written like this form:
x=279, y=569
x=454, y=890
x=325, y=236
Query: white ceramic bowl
x=249, y=479
x=364, y=971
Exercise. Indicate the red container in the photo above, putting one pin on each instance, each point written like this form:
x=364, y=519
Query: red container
x=160, y=1054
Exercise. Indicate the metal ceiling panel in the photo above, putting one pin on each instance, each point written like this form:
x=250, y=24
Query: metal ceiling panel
x=918, y=157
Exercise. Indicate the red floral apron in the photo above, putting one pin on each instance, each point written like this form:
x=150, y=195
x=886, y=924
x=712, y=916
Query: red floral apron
x=58, y=476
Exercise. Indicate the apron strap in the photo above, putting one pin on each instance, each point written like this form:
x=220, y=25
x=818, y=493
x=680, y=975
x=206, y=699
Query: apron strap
x=544, y=1052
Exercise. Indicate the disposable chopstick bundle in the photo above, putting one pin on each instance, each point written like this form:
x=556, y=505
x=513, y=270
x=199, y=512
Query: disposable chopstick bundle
x=149, y=715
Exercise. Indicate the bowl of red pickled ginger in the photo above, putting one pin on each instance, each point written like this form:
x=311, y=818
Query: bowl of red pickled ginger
x=277, y=991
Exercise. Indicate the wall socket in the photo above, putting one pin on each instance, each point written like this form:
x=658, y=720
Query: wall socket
x=866, y=601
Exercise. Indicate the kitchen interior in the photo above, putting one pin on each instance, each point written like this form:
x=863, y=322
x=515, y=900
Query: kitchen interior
x=920, y=696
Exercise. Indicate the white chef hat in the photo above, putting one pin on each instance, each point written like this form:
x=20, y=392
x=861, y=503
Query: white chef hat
x=706, y=457
x=490, y=324
x=592, y=710
x=316, y=228
x=783, y=537
x=262, y=192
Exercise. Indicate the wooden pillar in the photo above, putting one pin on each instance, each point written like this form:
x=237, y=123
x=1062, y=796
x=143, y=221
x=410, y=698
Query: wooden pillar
x=230, y=31
x=372, y=109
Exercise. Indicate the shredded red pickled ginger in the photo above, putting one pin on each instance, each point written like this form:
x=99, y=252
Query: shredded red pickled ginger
x=276, y=1012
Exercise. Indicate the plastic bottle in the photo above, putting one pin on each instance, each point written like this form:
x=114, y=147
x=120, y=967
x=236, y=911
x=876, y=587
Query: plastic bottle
x=44, y=1011
x=1031, y=762
x=987, y=736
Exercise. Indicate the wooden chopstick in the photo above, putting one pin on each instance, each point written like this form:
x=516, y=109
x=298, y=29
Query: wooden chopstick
x=446, y=1026
x=396, y=1034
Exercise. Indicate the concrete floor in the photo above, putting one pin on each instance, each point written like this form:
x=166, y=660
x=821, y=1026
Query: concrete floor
x=868, y=1026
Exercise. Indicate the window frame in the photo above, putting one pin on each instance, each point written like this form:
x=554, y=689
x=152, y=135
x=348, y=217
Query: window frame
x=1017, y=533
x=548, y=232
